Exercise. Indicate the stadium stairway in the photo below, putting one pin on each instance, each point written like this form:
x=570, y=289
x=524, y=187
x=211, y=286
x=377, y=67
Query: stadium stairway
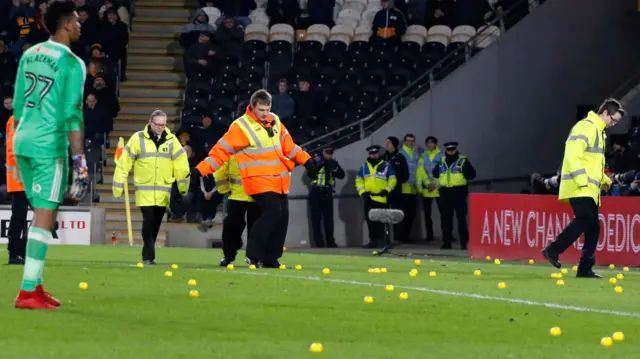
x=155, y=80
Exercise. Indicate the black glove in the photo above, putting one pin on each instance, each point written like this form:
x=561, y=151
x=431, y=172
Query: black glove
x=384, y=193
x=366, y=195
x=312, y=171
x=331, y=165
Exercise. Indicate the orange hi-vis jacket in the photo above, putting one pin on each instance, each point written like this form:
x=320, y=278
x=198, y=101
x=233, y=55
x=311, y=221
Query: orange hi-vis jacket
x=265, y=162
x=13, y=184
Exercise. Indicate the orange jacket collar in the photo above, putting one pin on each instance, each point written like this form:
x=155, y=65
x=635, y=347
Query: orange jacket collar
x=249, y=112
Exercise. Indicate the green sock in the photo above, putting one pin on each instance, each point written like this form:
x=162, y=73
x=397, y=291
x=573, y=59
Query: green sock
x=37, y=246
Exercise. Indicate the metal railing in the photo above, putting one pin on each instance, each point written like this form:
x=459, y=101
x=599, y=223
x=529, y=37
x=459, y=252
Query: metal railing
x=363, y=128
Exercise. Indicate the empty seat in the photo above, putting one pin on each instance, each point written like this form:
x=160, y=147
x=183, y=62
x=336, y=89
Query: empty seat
x=198, y=89
x=485, y=36
x=437, y=41
x=411, y=46
x=336, y=48
x=254, y=48
x=228, y=73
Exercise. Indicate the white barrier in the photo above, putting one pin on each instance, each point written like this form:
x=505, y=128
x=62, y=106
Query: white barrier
x=76, y=225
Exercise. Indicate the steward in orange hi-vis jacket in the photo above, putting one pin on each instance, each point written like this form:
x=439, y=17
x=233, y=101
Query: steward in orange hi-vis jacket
x=266, y=155
x=19, y=204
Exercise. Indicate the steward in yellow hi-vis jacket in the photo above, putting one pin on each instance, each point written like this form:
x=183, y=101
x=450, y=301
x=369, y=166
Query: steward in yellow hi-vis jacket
x=239, y=205
x=581, y=181
x=427, y=184
x=158, y=160
x=374, y=181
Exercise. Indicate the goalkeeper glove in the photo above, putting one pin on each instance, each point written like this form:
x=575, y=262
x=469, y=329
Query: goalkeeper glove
x=80, y=182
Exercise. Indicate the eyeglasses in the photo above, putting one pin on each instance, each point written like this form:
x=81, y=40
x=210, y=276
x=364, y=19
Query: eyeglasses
x=158, y=124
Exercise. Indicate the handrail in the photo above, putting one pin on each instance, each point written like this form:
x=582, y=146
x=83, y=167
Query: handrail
x=410, y=87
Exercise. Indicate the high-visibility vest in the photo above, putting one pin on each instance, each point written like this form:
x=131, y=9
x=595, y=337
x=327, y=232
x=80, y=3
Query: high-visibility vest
x=451, y=176
x=13, y=182
x=228, y=180
x=583, y=165
x=154, y=169
x=426, y=164
x=321, y=178
x=375, y=179
x=411, y=155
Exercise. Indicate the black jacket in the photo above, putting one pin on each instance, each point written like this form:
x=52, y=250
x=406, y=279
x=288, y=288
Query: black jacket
x=400, y=167
x=468, y=172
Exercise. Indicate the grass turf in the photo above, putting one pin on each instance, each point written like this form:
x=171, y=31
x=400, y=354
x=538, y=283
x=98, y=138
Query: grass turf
x=130, y=312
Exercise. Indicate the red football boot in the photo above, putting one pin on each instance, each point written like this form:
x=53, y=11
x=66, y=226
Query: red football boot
x=32, y=300
x=47, y=297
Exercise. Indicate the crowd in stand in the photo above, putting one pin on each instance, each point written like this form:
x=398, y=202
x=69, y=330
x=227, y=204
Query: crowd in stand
x=104, y=37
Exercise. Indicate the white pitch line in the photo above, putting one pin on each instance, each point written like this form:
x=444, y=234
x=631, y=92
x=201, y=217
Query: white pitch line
x=442, y=292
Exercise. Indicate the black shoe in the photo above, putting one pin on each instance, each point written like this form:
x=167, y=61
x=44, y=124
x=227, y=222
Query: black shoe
x=446, y=246
x=275, y=264
x=149, y=262
x=254, y=262
x=552, y=258
x=332, y=245
x=16, y=260
x=463, y=247
x=590, y=274
x=225, y=262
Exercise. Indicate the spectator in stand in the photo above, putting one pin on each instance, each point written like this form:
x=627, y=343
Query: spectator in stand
x=88, y=32
x=468, y=12
x=304, y=101
x=192, y=32
x=320, y=12
x=8, y=65
x=282, y=103
x=438, y=12
x=205, y=137
x=283, y=12
x=237, y=9
x=120, y=9
x=23, y=29
x=100, y=64
x=107, y=99
x=388, y=25
x=184, y=207
x=201, y=56
x=417, y=12
x=230, y=37
x=6, y=111
x=621, y=159
x=115, y=38
x=97, y=123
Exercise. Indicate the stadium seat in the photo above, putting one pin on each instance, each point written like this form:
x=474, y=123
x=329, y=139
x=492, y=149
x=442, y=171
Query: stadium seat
x=486, y=35
x=410, y=47
x=198, y=89
x=437, y=41
x=195, y=107
x=228, y=73
x=459, y=37
x=281, y=39
x=254, y=48
x=335, y=49
x=224, y=89
x=360, y=49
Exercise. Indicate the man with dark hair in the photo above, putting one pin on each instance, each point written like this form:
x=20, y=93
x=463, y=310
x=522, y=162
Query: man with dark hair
x=409, y=189
x=48, y=112
x=582, y=180
x=266, y=155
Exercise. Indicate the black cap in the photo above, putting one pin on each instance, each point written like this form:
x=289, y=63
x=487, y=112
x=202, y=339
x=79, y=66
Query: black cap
x=328, y=150
x=451, y=145
x=431, y=139
x=373, y=149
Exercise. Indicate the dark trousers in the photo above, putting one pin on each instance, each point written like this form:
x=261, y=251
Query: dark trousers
x=151, y=220
x=234, y=224
x=18, y=225
x=585, y=222
x=268, y=234
x=376, y=229
x=321, y=203
x=209, y=208
x=427, y=204
x=408, y=205
x=454, y=201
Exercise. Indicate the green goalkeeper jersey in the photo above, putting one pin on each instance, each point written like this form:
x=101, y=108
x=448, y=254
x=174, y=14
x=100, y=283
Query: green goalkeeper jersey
x=48, y=100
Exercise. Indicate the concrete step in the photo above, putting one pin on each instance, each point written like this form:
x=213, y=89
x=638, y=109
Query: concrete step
x=155, y=51
x=122, y=237
x=152, y=83
x=154, y=43
x=174, y=21
x=146, y=109
x=150, y=67
x=158, y=13
x=165, y=4
x=122, y=216
x=141, y=35
x=145, y=101
x=147, y=26
x=108, y=180
x=174, y=93
x=155, y=75
x=139, y=59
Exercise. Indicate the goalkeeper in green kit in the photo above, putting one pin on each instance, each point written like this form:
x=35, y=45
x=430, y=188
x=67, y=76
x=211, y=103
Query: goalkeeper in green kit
x=48, y=113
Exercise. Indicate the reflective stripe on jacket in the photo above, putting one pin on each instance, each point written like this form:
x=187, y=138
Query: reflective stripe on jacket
x=582, y=173
x=452, y=176
x=154, y=168
x=428, y=161
x=228, y=181
x=265, y=153
x=14, y=183
x=375, y=179
x=411, y=155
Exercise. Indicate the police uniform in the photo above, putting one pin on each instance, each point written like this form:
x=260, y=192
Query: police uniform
x=374, y=181
x=321, y=199
x=428, y=185
x=453, y=172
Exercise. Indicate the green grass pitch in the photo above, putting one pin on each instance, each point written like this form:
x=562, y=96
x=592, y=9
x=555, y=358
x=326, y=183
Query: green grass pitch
x=139, y=313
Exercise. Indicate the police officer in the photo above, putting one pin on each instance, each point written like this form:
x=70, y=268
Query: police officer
x=581, y=181
x=409, y=189
x=321, y=198
x=239, y=207
x=453, y=173
x=374, y=181
x=399, y=164
x=158, y=160
x=427, y=184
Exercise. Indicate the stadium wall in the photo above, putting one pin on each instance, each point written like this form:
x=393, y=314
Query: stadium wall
x=510, y=107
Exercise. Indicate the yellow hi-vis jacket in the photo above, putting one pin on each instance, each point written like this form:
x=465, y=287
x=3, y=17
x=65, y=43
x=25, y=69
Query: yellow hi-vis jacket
x=583, y=165
x=427, y=162
x=228, y=180
x=375, y=179
x=154, y=169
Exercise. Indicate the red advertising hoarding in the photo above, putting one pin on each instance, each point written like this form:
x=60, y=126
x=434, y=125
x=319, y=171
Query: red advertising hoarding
x=518, y=227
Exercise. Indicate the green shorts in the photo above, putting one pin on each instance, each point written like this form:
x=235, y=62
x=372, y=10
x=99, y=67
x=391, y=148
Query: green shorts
x=45, y=180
